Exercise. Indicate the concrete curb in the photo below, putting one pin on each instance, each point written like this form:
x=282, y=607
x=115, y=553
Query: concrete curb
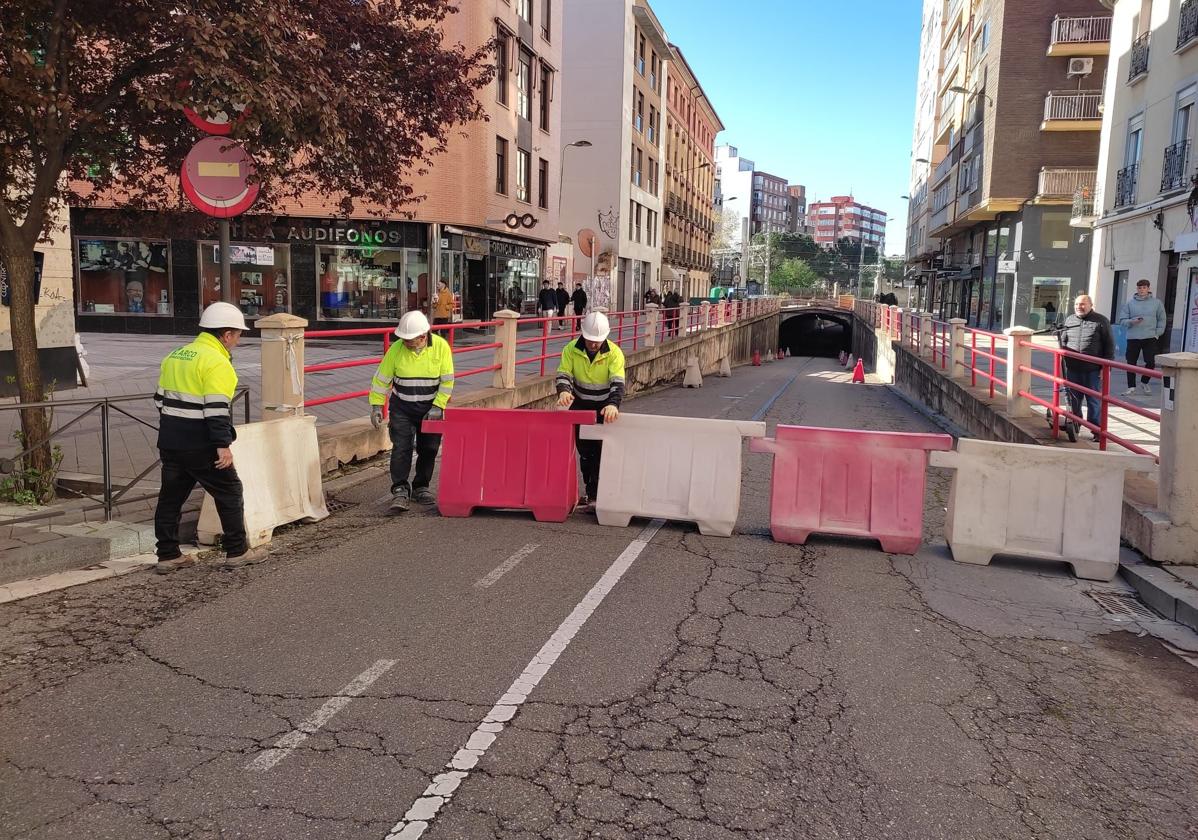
x=62, y=580
x=1170, y=596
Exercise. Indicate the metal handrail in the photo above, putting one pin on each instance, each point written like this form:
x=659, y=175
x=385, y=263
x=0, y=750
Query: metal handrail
x=105, y=405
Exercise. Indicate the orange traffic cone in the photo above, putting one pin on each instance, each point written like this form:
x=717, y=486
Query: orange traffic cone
x=859, y=372
x=756, y=358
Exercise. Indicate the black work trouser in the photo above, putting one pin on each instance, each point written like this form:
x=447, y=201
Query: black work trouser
x=406, y=438
x=590, y=453
x=1136, y=346
x=182, y=469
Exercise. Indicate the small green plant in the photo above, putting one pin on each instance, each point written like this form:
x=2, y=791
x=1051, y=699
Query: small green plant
x=20, y=483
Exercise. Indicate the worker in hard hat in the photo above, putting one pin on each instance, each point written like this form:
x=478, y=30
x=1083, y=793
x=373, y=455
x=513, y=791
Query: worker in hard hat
x=591, y=378
x=417, y=373
x=195, y=432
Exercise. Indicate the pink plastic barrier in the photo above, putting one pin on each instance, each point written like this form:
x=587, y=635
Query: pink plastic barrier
x=507, y=458
x=857, y=484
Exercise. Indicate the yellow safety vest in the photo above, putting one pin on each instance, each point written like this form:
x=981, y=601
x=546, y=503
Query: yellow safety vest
x=416, y=381
x=195, y=391
x=594, y=383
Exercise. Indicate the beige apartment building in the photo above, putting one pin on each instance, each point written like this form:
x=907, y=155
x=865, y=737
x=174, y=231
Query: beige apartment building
x=1014, y=133
x=612, y=127
x=1143, y=210
x=691, y=127
x=487, y=222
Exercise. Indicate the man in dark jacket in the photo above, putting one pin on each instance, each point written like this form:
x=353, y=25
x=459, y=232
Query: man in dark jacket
x=546, y=300
x=672, y=301
x=563, y=300
x=579, y=299
x=1087, y=332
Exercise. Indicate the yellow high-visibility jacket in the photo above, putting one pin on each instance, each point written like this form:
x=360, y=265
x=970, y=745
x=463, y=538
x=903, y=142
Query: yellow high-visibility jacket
x=416, y=381
x=595, y=383
x=195, y=396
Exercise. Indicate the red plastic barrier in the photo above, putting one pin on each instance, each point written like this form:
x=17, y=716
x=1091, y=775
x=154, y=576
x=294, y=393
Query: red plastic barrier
x=508, y=458
x=857, y=484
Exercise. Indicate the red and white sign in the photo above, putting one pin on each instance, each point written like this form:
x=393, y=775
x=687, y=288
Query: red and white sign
x=216, y=178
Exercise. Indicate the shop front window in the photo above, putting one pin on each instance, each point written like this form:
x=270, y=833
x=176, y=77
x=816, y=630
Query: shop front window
x=515, y=273
x=372, y=283
x=127, y=276
x=1050, y=302
x=260, y=276
x=453, y=272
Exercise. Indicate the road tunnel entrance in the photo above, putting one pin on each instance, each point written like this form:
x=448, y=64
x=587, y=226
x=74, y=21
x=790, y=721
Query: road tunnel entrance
x=816, y=334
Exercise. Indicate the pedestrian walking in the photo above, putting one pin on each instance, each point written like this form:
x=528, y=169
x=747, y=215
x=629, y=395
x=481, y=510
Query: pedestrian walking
x=515, y=298
x=579, y=299
x=652, y=296
x=416, y=379
x=590, y=377
x=1144, y=317
x=672, y=303
x=443, y=305
x=1089, y=333
x=194, y=397
x=547, y=301
x=563, y=300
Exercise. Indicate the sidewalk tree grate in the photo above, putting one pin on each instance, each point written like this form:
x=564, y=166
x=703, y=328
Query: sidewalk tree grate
x=1123, y=604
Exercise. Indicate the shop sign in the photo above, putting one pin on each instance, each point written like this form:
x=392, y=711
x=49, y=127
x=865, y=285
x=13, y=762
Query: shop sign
x=475, y=246
x=510, y=249
x=1051, y=281
x=345, y=236
x=1008, y=266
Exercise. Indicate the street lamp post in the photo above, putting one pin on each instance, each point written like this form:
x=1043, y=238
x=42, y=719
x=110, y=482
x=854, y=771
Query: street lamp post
x=561, y=174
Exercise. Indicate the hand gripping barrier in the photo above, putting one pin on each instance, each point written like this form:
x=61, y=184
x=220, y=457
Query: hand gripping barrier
x=679, y=468
x=278, y=462
x=508, y=458
x=1041, y=502
x=851, y=483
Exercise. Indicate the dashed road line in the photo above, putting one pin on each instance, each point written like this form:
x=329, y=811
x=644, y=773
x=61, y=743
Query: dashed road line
x=424, y=810
x=506, y=566
x=285, y=745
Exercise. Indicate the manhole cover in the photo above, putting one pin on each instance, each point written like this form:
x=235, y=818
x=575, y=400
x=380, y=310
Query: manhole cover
x=336, y=505
x=1123, y=604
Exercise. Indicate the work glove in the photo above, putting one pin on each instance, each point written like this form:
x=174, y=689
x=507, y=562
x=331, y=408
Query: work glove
x=376, y=416
x=565, y=399
x=610, y=414
x=435, y=413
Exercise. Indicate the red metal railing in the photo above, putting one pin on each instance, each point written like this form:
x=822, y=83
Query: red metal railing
x=980, y=343
x=942, y=336
x=1103, y=395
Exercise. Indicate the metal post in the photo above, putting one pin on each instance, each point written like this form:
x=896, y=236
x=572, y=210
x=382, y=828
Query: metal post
x=106, y=461
x=226, y=273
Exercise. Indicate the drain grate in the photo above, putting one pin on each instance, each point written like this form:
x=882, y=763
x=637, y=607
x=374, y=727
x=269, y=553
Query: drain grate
x=1123, y=604
x=336, y=505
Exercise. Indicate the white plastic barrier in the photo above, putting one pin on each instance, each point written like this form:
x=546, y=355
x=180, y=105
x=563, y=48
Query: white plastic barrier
x=279, y=465
x=680, y=468
x=1043, y=502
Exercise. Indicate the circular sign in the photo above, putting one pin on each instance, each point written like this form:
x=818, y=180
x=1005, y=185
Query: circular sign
x=221, y=124
x=216, y=178
x=528, y=220
x=512, y=221
x=586, y=242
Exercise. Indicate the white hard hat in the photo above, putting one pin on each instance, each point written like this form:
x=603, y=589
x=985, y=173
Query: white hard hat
x=221, y=316
x=595, y=327
x=412, y=325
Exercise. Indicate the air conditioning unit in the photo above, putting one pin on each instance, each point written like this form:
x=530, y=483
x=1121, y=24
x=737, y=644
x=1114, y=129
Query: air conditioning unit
x=1081, y=67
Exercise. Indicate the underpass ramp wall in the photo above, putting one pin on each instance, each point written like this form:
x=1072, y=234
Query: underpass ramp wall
x=279, y=465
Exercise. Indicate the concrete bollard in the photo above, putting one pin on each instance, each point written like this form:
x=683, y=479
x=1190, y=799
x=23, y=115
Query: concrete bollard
x=957, y=347
x=725, y=368
x=1017, y=380
x=693, y=377
x=1178, y=489
x=282, y=365
x=926, y=343
x=505, y=353
x=704, y=314
x=652, y=323
x=684, y=319
x=895, y=321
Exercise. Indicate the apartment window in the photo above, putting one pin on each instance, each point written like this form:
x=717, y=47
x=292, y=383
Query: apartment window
x=524, y=85
x=640, y=53
x=651, y=228
x=500, y=166
x=523, y=174
x=502, y=45
x=638, y=116
x=653, y=176
x=546, y=95
x=980, y=42
x=543, y=184
x=654, y=68
x=637, y=213
x=524, y=10
x=653, y=124
x=631, y=219
x=638, y=162
x=546, y=19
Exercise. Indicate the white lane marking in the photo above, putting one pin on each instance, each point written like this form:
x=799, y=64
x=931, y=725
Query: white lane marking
x=285, y=745
x=425, y=809
x=506, y=566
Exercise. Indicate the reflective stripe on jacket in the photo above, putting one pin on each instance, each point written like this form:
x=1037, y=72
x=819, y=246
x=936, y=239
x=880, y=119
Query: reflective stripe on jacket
x=195, y=391
x=415, y=381
x=597, y=382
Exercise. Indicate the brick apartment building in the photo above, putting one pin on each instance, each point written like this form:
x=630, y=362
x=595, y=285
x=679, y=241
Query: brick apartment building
x=362, y=271
x=770, y=204
x=842, y=217
x=797, y=200
x=1016, y=132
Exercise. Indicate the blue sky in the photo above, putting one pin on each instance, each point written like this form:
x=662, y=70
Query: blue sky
x=819, y=93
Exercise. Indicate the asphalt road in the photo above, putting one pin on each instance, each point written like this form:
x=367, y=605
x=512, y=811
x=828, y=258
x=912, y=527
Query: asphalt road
x=495, y=677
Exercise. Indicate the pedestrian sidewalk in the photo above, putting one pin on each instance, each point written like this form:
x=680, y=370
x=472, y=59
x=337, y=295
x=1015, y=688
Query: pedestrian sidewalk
x=1170, y=590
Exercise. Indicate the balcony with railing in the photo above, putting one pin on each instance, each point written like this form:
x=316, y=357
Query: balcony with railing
x=1125, y=186
x=1086, y=201
x=1187, y=23
x=1175, y=169
x=1090, y=35
x=1061, y=182
x=1139, y=58
x=1072, y=110
x=943, y=203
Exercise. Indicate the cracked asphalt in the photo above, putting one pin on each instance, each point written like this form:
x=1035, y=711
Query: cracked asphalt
x=725, y=688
